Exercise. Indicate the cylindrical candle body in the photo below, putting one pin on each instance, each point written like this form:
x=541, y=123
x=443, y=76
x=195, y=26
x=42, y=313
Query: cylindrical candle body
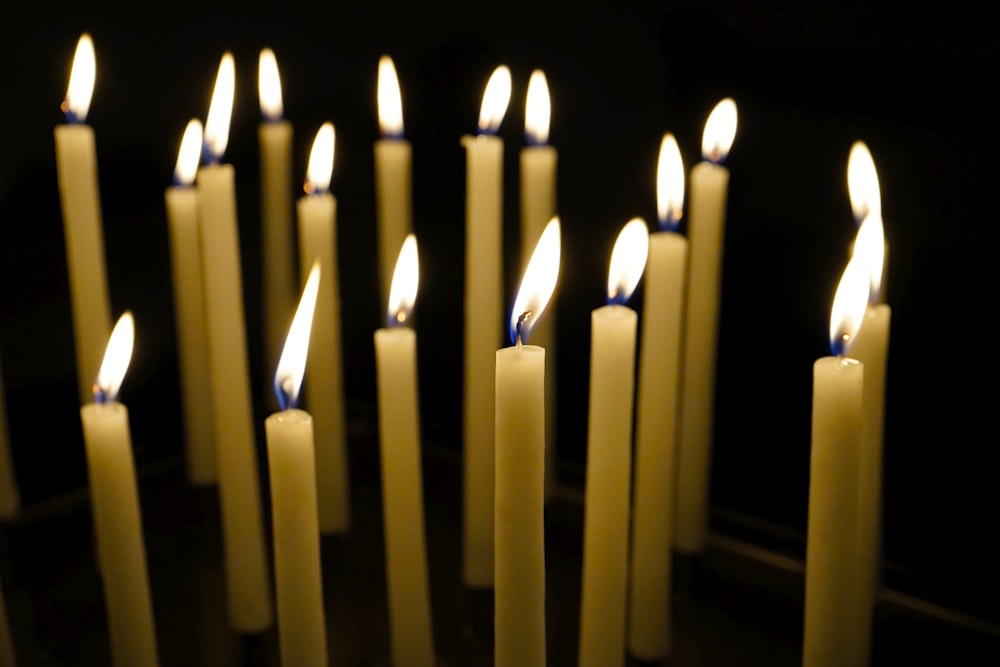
x=519, y=602
x=706, y=231
x=192, y=334
x=831, y=542
x=649, y=627
x=483, y=330
x=247, y=588
x=402, y=498
x=609, y=476
x=10, y=499
x=297, y=573
x=76, y=163
x=118, y=524
x=324, y=388
x=394, y=202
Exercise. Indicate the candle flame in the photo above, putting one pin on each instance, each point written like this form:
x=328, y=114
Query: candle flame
x=720, y=130
x=538, y=283
x=189, y=154
x=81, y=81
x=390, y=100
x=292, y=363
x=221, y=109
x=849, y=304
x=669, y=183
x=537, y=109
x=405, y=279
x=628, y=260
x=862, y=183
x=869, y=246
x=117, y=356
x=269, y=86
x=495, y=100
x=320, y=169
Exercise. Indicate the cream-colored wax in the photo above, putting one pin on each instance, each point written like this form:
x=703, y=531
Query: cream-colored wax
x=10, y=499
x=394, y=202
x=7, y=655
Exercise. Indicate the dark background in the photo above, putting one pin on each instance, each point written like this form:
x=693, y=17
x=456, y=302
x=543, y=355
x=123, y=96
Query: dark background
x=808, y=79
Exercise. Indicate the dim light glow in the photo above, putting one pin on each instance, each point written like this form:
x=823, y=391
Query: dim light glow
x=862, y=183
x=628, y=260
x=669, y=183
x=81, y=81
x=537, y=109
x=869, y=246
x=189, y=154
x=292, y=363
x=320, y=169
x=269, y=86
x=117, y=357
x=405, y=280
x=537, y=285
x=849, y=305
x=496, y=97
x=390, y=100
x=720, y=131
x=221, y=109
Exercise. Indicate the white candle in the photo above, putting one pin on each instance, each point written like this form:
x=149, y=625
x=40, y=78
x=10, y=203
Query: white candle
x=247, y=587
x=483, y=287
x=317, y=213
x=609, y=456
x=519, y=601
x=76, y=166
x=706, y=231
x=295, y=525
x=115, y=500
x=393, y=175
x=10, y=499
x=649, y=626
x=402, y=488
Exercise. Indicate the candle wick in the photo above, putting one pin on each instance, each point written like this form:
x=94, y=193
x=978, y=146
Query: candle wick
x=100, y=396
x=520, y=322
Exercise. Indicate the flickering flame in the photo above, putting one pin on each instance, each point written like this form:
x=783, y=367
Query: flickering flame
x=862, y=183
x=720, y=130
x=628, y=260
x=849, y=305
x=189, y=154
x=537, y=285
x=405, y=279
x=869, y=247
x=669, y=183
x=537, y=109
x=390, y=100
x=495, y=100
x=269, y=86
x=292, y=364
x=221, y=109
x=320, y=169
x=116, y=359
x=81, y=81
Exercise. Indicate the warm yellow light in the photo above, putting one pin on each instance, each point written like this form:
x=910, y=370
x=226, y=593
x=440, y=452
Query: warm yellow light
x=869, y=247
x=81, y=81
x=669, y=183
x=269, y=86
x=221, y=109
x=495, y=100
x=189, y=154
x=405, y=279
x=537, y=109
x=720, y=130
x=862, y=182
x=628, y=259
x=116, y=359
x=538, y=283
x=849, y=305
x=320, y=169
x=292, y=364
x=390, y=100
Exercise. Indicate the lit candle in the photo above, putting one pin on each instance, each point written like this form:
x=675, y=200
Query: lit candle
x=402, y=488
x=297, y=574
x=519, y=601
x=483, y=287
x=393, y=174
x=649, y=627
x=10, y=499
x=706, y=231
x=247, y=588
x=832, y=537
x=609, y=456
x=189, y=309
x=317, y=212
x=115, y=501
x=76, y=166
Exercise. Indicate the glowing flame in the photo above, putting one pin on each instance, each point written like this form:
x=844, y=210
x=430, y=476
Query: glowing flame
x=292, y=364
x=538, y=283
x=269, y=86
x=869, y=247
x=669, y=183
x=81, y=81
x=537, y=109
x=405, y=280
x=390, y=100
x=849, y=305
x=720, y=130
x=221, y=109
x=189, y=154
x=320, y=169
x=495, y=100
x=862, y=183
x=628, y=259
x=116, y=359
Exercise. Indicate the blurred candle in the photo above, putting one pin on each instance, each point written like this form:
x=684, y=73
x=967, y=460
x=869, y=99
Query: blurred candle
x=706, y=230
x=317, y=212
x=247, y=587
x=483, y=310
x=649, y=627
x=76, y=167
x=115, y=500
x=402, y=488
x=10, y=499
x=519, y=612
x=609, y=456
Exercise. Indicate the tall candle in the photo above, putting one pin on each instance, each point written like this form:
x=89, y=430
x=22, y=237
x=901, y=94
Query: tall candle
x=706, y=231
x=609, y=456
x=76, y=167
x=115, y=500
x=483, y=287
x=402, y=488
x=247, y=587
x=189, y=309
x=10, y=499
x=519, y=600
x=298, y=576
x=317, y=212
x=649, y=627
x=393, y=175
